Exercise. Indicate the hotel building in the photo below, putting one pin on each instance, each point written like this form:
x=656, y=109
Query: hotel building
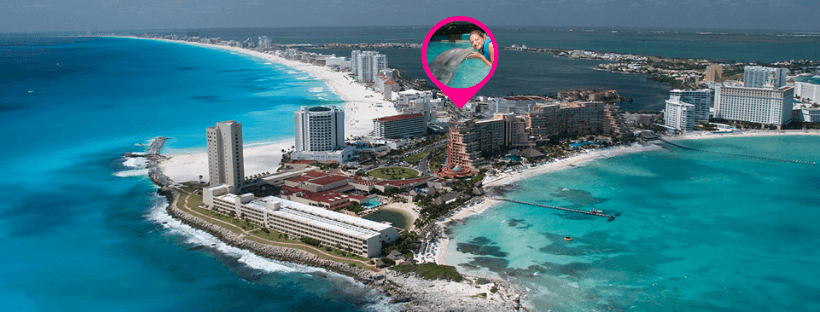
x=400, y=126
x=759, y=105
x=574, y=118
x=367, y=64
x=679, y=115
x=320, y=134
x=764, y=77
x=714, y=73
x=701, y=99
x=516, y=104
x=362, y=236
x=807, y=88
x=469, y=139
x=226, y=163
x=515, y=131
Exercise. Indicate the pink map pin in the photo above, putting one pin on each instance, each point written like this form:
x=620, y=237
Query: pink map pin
x=459, y=96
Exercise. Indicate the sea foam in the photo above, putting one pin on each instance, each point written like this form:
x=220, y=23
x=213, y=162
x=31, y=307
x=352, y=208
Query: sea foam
x=198, y=237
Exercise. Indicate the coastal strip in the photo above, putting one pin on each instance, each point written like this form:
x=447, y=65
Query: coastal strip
x=497, y=183
x=361, y=106
x=416, y=294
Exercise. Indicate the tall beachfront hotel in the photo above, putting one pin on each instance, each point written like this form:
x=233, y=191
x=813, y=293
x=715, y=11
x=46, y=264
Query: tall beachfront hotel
x=700, y=99
x=679, y=115
x=366, y=65
x=764, y=77
x=226, y=163
x=320, y=134
x=763, y=99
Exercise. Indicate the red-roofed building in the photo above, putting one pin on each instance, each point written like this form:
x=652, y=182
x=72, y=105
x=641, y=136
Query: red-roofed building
x=316, y=188
x=317, y=181
x=400, y=126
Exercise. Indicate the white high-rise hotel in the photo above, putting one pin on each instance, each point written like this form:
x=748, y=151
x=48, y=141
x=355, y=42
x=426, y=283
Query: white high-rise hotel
x=700, y=99
x=764, y=99
x=679, y=115
x=320, y=134
x=226, y=163
x=367, y=65
x=764, y=77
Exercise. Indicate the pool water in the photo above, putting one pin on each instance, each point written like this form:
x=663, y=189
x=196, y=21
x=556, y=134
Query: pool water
x=583, y=143
x=371, y=203
x=469, y=73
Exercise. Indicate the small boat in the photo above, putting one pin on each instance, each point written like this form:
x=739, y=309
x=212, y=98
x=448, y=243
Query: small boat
x=567, y=238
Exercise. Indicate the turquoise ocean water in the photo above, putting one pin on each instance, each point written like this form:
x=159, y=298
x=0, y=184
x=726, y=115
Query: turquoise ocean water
x=697, y=232
x=81, y=229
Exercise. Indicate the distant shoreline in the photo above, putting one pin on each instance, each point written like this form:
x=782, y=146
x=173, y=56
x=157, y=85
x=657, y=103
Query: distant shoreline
x=360, y=106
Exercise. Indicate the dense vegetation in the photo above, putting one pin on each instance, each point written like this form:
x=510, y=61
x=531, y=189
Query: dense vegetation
x=466, y=186
x=311, y=241
x=408, y=242
x=354, y=207
x=676, y=84
x=431, y=211
x=431, y=271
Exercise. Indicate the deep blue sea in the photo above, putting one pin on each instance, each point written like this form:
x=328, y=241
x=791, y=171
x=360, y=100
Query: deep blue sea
x=697, y=232
x=82, y=230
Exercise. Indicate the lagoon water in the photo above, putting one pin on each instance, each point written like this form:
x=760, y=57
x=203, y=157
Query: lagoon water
x=698, y=232
x=81, y=229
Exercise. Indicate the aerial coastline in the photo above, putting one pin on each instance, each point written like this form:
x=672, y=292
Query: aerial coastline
x=361, y=106
x=576, y=156
x=417, y=294
x=507, y=179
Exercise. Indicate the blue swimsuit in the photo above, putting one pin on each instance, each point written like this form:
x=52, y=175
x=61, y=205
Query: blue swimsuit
x=486, y=49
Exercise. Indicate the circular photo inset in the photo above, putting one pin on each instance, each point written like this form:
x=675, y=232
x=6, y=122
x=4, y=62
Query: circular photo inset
x=460, y=54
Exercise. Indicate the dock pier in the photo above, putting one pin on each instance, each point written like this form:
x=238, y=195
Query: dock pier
x=801, y=162
x=598, y=214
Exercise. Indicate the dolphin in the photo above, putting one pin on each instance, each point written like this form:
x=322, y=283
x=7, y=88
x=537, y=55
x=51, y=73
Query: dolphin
x=444, y=66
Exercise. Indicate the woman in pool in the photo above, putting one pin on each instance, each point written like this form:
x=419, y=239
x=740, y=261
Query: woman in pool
x=482, y=43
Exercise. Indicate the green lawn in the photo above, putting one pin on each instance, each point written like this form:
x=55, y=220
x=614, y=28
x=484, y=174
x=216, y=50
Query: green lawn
x=195, y=201
x=431, y=271
x=419, y=156
x=393, y=173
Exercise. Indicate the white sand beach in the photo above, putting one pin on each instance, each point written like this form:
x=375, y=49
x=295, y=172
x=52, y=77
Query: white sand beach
x=573, y=161
x=739, y=134
x=360, y=109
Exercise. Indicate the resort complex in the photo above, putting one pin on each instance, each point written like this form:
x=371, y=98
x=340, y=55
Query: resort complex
x=364, y=237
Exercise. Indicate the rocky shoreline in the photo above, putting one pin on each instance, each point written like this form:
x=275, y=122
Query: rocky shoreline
x=413, y=293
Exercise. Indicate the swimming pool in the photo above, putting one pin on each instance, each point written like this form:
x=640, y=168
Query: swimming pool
x=469, y=73
x=583, y=143
x=513, y=158
x=371, y=203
